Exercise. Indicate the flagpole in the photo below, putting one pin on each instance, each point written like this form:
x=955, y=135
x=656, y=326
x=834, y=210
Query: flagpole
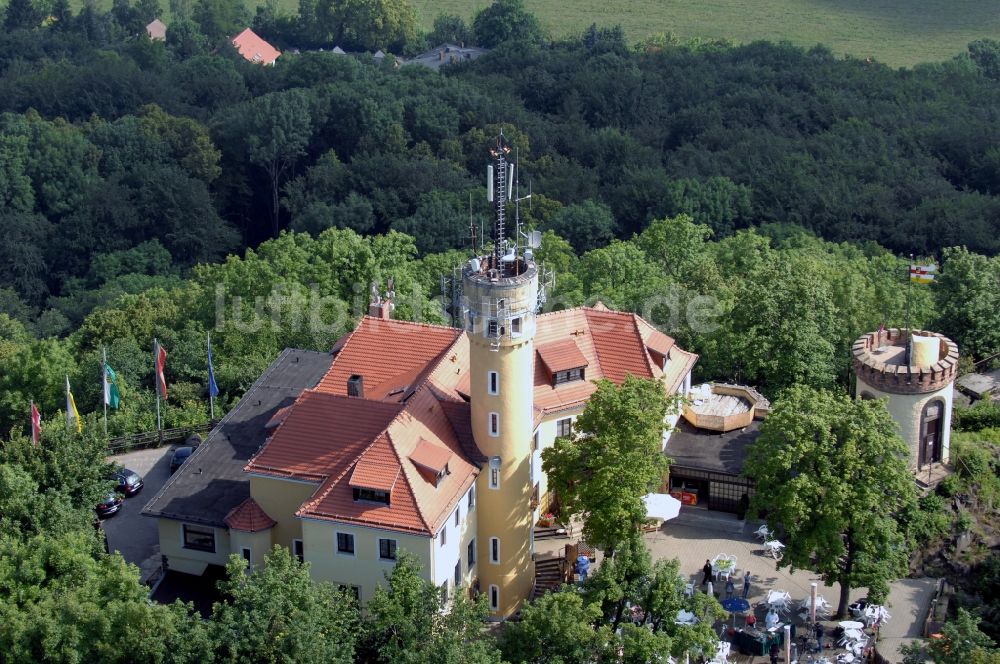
x=104, y=386
x=156, y=381
x=211, y=398
x=69, y=413
x=909, y=288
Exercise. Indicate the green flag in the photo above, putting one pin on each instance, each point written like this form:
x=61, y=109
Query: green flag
x=112, y=397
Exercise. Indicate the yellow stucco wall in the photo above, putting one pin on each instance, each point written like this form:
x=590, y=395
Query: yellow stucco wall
x=190, y=561
x=364, y=569
x=259, y=544
x=280, y=499
x=907, y=409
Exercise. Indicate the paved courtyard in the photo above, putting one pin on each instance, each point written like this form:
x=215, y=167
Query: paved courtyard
x=128, y=532
x=698, y=534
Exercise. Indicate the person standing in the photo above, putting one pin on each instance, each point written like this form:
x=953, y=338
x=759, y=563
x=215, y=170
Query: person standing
x=730, y=588
x=746, y=584
x=707, y=569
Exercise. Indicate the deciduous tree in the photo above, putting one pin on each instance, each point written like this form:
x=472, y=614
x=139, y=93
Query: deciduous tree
x=832, y=476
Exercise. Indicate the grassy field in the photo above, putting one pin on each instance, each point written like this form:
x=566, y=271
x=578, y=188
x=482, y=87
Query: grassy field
x=897, y=32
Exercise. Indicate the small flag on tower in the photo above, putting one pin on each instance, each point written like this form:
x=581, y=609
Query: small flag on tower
x=36, y=424
x=72, y=414
x=112, y=395
x=923, y=274
x=161, y=365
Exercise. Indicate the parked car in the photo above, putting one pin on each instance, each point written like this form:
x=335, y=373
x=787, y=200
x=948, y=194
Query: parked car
x=127, y=482
x=180, y=456
x=110, y=505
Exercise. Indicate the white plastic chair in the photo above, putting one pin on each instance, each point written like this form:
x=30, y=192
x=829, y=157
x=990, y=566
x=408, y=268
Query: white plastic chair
x=689, y=589
x=764, y=533
x=721, y=653
x=686, y=618
x=774, y=548
x=779, y=600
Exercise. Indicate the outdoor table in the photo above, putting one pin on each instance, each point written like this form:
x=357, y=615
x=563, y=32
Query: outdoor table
x=758, y=642
x=723, y=565
x=851, y=624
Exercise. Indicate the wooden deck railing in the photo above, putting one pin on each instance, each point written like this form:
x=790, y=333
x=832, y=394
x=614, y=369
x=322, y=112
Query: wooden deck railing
x=148, y=439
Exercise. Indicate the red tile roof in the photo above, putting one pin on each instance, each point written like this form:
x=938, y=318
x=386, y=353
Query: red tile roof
x=255, y=49
x=249, y=517
x=371, y=472
x=561, y=355
x=390, y=355
x=322, y=432
x=430, y=456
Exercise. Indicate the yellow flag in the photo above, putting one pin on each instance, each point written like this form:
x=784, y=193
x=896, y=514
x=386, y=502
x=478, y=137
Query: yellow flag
x=72, y=414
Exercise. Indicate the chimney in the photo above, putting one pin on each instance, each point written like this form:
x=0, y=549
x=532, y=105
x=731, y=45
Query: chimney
x=356, y=386
x=379, y=306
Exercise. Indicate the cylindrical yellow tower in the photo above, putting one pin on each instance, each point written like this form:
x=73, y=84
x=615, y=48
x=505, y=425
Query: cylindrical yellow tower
x=498, y=307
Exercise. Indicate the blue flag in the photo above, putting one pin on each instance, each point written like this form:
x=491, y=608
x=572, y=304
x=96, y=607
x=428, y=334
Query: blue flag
x=213, y=388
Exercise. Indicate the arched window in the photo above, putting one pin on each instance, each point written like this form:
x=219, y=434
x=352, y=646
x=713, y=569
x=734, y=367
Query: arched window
x=931, y=430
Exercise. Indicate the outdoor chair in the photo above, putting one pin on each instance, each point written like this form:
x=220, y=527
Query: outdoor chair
x=764, y=533
x=774, y=548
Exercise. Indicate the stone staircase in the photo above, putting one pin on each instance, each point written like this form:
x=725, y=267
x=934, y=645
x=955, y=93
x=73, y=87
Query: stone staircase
x=548, y=576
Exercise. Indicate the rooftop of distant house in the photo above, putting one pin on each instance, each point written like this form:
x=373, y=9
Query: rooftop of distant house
x=445, y=54
x=254, y=49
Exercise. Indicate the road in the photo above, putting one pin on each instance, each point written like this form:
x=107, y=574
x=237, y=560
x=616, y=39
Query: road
x=128, y=532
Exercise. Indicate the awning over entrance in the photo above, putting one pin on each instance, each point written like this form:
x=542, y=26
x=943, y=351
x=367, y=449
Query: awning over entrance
x=661, y=506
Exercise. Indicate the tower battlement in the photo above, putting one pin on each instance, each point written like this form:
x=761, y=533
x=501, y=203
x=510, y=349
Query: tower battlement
x=880, y=362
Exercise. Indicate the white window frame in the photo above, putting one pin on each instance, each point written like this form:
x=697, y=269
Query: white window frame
x=495, y=550
x=302, y=547
x=494, y=597
x=378, y=549
x=494, y=472
x=492, y=382
x=336, y=544
x=493, y=423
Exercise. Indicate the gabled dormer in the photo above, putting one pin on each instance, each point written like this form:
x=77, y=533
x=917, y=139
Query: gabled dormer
x=372, y=480
x=431, y=460
x=564, y=362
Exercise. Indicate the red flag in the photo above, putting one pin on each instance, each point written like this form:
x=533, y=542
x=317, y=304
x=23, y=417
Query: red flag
x=36, y=424
x=881, y=329
x=161, y=365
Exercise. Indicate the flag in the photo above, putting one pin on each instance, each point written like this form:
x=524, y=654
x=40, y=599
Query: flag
x=923, y=274
x=213, y=388
x=881, y=329
x=72, y=414
x=112, y=396
x=161, y=365
x=36, y=424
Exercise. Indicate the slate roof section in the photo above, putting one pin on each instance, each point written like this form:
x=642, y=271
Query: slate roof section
x=249, y=517
x=561, y=355
x=709, y=450
x=212, y=482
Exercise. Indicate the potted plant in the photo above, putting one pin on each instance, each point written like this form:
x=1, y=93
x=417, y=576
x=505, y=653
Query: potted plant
x=546, y=520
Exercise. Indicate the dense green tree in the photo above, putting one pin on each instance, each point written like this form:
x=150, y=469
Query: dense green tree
x=367, y=25
x=221, y=18
x=404, y=622
x=832, y=475
x=450, y=29
x=964, y=643
x=505, y=20
x=586, y=225
x=986, y=54
x=968, y=298
x=558, y=627
x=613, y=459
x=276, y=613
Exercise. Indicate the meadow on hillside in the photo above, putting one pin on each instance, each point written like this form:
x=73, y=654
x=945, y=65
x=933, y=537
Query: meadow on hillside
x=897, y=32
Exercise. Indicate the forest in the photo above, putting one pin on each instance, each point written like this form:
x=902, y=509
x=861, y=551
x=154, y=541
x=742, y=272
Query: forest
x=758, y=203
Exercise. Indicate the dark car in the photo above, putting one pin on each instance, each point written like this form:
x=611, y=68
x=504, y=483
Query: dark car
x=127, y=482
x=110, y=505
x=180, y=456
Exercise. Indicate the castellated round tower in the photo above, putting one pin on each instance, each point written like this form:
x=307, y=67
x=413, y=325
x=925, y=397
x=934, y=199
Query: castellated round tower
x=918, y=380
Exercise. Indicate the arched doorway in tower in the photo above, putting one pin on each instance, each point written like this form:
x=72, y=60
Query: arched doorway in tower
x=931, y=423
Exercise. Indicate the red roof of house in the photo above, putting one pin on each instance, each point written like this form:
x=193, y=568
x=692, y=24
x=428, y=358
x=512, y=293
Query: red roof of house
x=432, y=457
x=371, y=472
x=249, y=517
x=255, y=49
x=561, y=355
x=414, y=413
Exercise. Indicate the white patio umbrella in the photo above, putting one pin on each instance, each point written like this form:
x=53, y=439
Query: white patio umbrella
x=661, y=506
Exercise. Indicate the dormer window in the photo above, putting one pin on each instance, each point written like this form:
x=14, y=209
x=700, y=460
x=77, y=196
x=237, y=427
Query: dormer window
x=568, y=376
x=431, y=460
x=371, y=496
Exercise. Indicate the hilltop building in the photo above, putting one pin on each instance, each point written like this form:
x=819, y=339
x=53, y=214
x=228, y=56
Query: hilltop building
x=156, y=30
x=254, y=49
x=916, y=374
x=413, y=436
